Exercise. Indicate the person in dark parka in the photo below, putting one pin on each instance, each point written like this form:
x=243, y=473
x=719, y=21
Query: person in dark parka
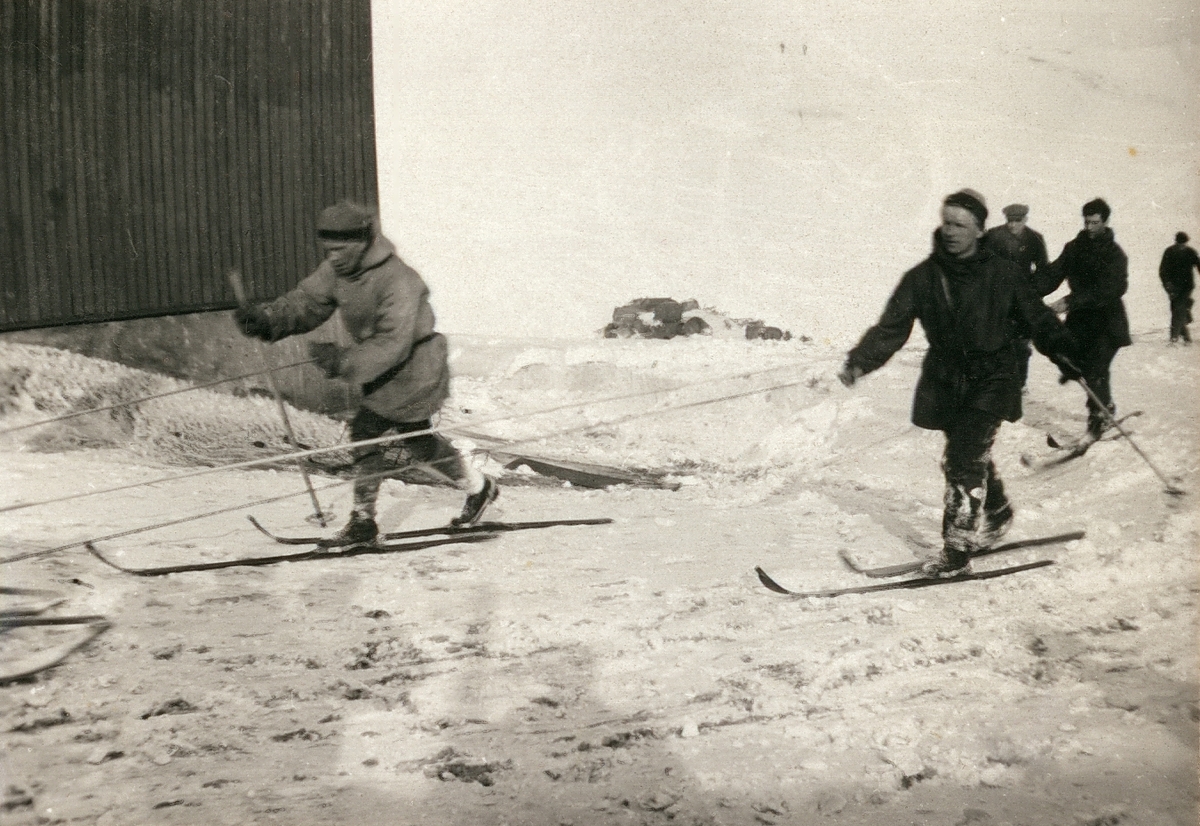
x=1175, y=272
x=397, y=358
x=969, y=302
x=1097, y=272
x=1025, y=247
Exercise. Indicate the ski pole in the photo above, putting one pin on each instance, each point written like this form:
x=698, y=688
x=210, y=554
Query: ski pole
x=239, y=292
x=1170, y=488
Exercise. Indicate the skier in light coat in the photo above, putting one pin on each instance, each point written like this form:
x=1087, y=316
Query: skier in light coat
x=397, y=358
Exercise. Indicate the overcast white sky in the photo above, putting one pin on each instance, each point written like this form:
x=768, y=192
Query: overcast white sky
x=541, y=163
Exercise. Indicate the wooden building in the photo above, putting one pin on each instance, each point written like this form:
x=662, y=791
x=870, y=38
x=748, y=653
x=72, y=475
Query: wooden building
x=150, y=145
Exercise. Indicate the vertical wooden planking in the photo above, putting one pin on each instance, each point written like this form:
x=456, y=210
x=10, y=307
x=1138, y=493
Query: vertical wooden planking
x=19, y=300
x=149, y=144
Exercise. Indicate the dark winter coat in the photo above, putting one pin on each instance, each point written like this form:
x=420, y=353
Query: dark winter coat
x=1175, y=270
x=1097, y=272
x=1027, y=250
x=397, y=357
x=969, y=310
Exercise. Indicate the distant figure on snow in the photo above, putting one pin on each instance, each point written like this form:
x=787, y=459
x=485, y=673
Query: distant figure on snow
x=1097, y=272
x=397, y=358
x=1175, y=271
x=1026, y=248
x=969, y=302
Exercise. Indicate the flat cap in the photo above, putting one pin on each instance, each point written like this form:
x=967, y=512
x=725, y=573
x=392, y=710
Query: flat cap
x=345, y=221
x=1015, y=212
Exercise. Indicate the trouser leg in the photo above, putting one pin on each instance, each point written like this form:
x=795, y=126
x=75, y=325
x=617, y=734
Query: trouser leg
x=371, y=464
x=369, y=461
x=435, y=450
x=969, y=472
x=996, y=499
x=1096, y=369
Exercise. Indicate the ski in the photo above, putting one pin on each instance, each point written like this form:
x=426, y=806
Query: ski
x=899, y=585
x=23, y=668
x=29, y=608
x=445, y=530
x=913, y=567
x=302, y=556
x=1081, y=445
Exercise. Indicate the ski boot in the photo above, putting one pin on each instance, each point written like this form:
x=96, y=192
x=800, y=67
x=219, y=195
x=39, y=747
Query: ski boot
x=950, y=563
x=360, y=530
x=476, y=504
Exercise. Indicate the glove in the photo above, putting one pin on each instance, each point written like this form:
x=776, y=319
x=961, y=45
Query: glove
x=253, y=321
x=1066, y=368
x=849, y=375
x=327, y=356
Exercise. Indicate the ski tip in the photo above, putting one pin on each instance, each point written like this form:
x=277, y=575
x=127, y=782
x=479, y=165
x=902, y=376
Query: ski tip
x=770, y=583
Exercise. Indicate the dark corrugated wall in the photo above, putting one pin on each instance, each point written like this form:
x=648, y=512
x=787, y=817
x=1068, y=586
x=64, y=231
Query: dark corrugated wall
x=148, y=146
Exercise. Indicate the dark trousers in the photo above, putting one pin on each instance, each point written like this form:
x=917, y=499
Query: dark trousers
x=973, y=487
x=1024, y=350
x=1181, y=317
x=1095, y=361
x=371, y=464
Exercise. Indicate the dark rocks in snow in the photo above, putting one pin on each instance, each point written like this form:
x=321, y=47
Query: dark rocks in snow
x=656, y=318
x=758, y=329
x=667, y=318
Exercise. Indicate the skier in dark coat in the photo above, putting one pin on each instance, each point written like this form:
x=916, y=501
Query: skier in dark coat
x=1097, y=272
x=969, y=302
x=1026, y=248
x=397, y=358
x=1175, y=271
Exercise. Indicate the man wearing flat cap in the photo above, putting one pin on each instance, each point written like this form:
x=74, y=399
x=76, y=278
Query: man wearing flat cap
x=970, y=302
x=397, y=359
x=1026, y=248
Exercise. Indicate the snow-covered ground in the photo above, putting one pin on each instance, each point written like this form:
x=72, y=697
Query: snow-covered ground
x=635, y=672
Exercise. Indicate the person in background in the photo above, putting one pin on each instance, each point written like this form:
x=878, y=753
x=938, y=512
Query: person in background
x=1097, y=272
x=1026, y=248
x=970, y=303
x=1175, y=272
x=397, y=358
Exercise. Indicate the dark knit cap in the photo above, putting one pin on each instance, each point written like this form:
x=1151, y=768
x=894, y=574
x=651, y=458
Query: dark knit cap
x=972, y=202
x=346, y=221
x=1015, y=212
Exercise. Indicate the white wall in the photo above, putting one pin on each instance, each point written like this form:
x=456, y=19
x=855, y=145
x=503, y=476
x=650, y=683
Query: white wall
x=543, y=162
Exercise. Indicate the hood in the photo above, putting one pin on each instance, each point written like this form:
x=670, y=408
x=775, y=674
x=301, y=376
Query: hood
x=380, y=250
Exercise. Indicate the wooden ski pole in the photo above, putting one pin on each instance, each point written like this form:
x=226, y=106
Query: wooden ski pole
x=1170, y=488
x=239, y=292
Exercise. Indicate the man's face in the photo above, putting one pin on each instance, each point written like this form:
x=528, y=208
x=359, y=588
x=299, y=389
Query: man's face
x=960, y=233
x=1094, y=225
x=1015, y=225
x=343, y=255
